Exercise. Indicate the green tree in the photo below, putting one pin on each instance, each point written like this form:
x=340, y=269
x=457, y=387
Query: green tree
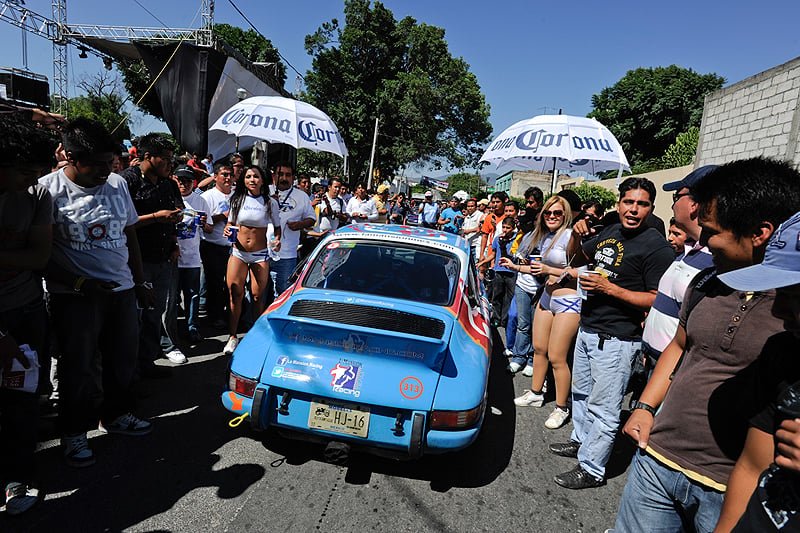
x=248, y=43
x=103, y=100
x=429, y=105
x=471, y=183
x=683, y=150
x=648, y=107
x=587, y=191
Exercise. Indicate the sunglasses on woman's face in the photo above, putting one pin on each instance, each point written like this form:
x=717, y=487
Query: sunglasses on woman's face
x=555, y=213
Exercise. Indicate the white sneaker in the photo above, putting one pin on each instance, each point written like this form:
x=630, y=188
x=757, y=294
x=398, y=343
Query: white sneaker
x=76, y=450
x=176, y=356
x=528, y=371
x=513, y=367
x=507, y=352
x=230, y=346
x=557, y=418
x=530, y=399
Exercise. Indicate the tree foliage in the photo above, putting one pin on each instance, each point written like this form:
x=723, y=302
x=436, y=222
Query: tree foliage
x=103, y=100
x=250, y=44
x=648, y=107
x=587, y=191
x=463, y=181
x=429, y=105
x=683, y=150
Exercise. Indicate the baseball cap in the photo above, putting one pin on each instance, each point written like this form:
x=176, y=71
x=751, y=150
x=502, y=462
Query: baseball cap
x=184, y=172
x=428, y=193
x=383, y=188
x=691, y=178
x=483, y=201
x=781, y=265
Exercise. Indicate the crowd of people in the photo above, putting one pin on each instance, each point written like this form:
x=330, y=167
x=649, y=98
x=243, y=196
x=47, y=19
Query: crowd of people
x=701, y=323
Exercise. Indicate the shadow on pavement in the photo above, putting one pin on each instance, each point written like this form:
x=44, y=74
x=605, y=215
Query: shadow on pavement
x=475, y=466
x=136, y=478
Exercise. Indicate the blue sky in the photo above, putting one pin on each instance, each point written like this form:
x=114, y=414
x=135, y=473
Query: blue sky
x=529, y=57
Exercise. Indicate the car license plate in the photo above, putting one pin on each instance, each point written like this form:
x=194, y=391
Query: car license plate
x=348, y=419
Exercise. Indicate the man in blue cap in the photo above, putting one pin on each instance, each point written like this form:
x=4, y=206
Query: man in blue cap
x=769, y=465
x=662, y=320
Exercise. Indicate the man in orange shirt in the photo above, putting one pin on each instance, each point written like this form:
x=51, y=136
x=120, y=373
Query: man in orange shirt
x=497, y=208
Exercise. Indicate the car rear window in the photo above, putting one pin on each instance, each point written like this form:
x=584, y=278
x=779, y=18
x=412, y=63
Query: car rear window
x=388, y=270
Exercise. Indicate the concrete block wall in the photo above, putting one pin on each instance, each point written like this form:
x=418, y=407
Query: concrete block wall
x=758, y=116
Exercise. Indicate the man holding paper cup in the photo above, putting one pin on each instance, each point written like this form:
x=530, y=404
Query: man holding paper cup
x=629, y=260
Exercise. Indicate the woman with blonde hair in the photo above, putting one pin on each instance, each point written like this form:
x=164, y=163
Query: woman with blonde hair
x=558, y=312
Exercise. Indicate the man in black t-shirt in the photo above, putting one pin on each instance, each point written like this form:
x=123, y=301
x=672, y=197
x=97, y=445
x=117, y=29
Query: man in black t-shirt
x=772, y=447
x=629, y=260
x=159, y=205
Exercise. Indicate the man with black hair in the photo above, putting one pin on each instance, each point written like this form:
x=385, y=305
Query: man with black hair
x=94, y=278
x=26, y=218
x=628, y=260
x=296, y=215
x=688, y=449
x=159, y=204
x=533, y=204
x=491, y=221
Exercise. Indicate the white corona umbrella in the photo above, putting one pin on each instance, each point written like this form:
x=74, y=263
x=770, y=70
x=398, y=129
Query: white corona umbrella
x=281, y=120
x=549, y=142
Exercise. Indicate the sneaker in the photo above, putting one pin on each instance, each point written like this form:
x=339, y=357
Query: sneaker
x=230, y=346
x=76, y=450
x=528, y=371
x=129, y=424
x=508, y=352
x=557, y=418
x=176, y=356
x=530, y=399
x=513, y=367
x=194, y=336
x=565, y=449
x=20, y=498
x=578, y=478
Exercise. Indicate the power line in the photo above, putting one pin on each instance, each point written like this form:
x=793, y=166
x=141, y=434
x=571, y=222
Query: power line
x=262, y=36
x=151, y=13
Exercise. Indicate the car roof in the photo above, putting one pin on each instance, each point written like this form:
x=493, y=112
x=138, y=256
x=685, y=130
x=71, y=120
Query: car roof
x=413, y=234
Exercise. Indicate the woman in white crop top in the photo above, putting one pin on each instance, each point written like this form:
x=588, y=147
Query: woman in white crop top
x=252, y=210
x=557, y=314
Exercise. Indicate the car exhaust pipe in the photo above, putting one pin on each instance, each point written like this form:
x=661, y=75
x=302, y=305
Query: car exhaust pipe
x=337, y=453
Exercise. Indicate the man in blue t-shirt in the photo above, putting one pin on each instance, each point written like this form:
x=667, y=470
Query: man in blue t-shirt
x=429, y=212
x=452, y=218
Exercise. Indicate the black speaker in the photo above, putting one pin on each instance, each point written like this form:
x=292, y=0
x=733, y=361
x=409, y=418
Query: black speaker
x=25, y=88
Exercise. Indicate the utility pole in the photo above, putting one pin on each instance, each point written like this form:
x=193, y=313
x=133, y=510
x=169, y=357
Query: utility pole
x=372, y=155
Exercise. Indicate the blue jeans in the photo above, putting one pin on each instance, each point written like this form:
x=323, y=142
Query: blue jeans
x=526, y=305
x=659, y=499
x=153, y=339
x=511, y=326
x=189, y=289
x=280, y=271
x=600, y=374
x=99, y=340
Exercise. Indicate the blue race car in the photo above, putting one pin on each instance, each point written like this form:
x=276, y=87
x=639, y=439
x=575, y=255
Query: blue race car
x=381, y=344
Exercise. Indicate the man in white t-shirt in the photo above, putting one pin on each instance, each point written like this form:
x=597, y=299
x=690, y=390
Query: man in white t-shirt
x=190, y=229
x=296, y=214
x=471, y=230
x=332, y=209
x=94, y=278
x=214, y=247
x=361, y=207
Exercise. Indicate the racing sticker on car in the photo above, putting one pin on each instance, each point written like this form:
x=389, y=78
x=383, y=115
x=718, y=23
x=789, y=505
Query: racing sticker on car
x=411, y=388
x=347, y=377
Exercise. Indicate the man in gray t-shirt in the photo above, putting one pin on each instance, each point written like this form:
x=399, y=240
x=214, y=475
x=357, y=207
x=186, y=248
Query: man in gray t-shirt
x=95, y=278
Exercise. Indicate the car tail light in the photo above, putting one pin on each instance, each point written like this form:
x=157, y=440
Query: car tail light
x=456, y=419
x=240, y=385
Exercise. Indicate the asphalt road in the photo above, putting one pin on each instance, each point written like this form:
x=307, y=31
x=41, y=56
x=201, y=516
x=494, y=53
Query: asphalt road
x=194, y=473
